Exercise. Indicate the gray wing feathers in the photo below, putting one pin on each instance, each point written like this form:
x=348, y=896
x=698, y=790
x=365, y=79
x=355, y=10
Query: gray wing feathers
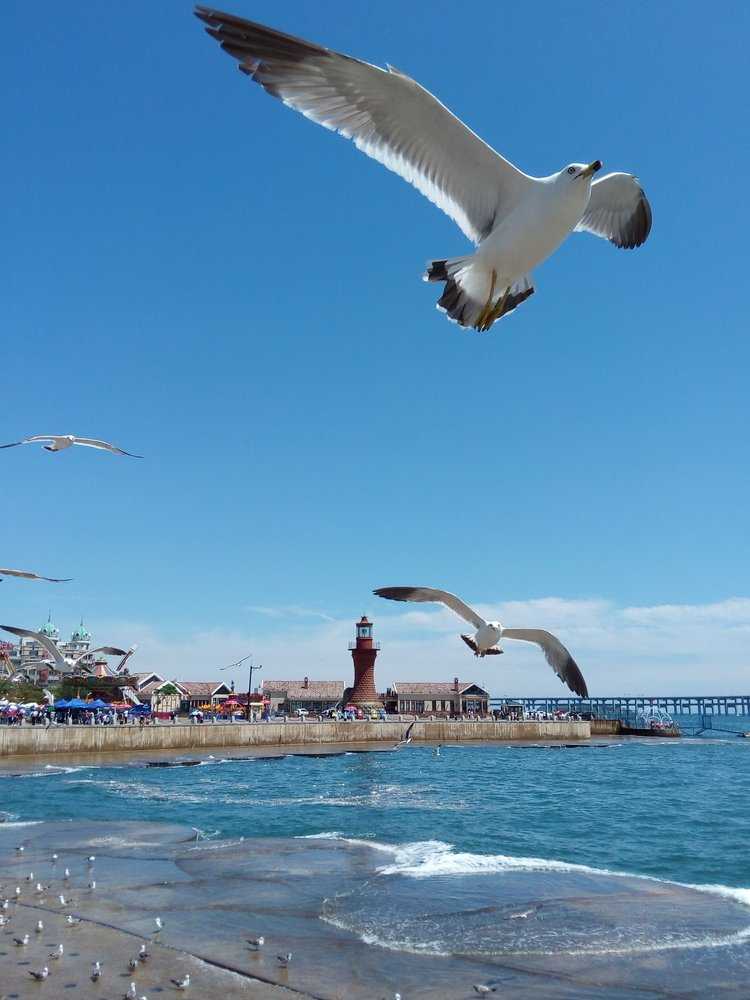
x=429, y=595
x=556, y=655
x=387, y=115
x=618, y=211
x=41, y=639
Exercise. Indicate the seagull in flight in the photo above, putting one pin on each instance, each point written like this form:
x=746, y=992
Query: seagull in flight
x=488, y=635
x=514, y=220
x=64, y=664
x=59, y=442
x=27, y=575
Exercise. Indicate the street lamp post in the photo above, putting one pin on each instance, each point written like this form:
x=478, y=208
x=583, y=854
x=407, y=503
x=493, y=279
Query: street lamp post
x=250, y=686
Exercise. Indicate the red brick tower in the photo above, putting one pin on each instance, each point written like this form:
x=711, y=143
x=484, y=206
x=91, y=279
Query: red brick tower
x=364, y=652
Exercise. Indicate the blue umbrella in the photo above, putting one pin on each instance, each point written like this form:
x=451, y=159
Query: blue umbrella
x=77, y=703
x=62, y=703
x=97, y=703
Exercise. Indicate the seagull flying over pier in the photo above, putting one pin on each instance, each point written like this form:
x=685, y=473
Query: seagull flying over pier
x=488, y=635
x=59, y=442
x=27, y=575
x=513, y=219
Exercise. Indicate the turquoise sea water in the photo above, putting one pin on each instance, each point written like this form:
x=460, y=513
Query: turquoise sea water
x=670, y=809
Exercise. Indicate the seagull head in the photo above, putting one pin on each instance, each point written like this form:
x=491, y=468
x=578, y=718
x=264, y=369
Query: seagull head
x=577, y=172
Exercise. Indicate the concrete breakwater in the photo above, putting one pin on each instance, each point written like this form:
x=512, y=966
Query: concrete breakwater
x=33, y=740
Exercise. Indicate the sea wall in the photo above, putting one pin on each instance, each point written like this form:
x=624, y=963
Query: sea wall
x=25, y=740
x=605, y=727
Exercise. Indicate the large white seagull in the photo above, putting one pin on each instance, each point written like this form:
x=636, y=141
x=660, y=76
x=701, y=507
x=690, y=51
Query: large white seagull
x=514, y=220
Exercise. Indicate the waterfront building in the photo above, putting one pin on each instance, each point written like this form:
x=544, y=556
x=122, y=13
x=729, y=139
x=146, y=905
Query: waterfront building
x=195, y=694
x=313, y=696
x=437, y=698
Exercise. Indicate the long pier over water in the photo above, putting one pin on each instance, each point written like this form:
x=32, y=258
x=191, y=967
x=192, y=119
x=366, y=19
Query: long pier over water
x=620, y=706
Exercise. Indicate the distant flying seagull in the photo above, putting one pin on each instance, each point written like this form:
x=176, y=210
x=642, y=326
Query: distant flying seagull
x=65, y=664
x=514, y=219
x=488, y=634
x=25, y=575
x=59, y=442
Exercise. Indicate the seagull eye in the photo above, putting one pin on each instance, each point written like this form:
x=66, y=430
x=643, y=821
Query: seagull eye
x=571, y=170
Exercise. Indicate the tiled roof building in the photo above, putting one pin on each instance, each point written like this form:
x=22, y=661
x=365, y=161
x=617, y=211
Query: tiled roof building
x=437, y=698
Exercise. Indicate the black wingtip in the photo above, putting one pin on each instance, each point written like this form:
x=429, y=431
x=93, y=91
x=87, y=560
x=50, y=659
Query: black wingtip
x=395, y=593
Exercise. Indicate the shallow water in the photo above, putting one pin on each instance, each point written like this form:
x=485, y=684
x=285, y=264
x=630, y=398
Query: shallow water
x=507, y=857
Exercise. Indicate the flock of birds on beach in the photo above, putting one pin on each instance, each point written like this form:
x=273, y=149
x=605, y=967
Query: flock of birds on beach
x=9, y=913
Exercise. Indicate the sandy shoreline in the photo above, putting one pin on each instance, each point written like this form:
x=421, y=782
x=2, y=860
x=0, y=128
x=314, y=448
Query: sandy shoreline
x=359, y=927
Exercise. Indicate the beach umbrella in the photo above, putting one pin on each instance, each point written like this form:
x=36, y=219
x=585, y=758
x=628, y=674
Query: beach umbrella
x=77, y=703
x=97, y=703
x=62, y=703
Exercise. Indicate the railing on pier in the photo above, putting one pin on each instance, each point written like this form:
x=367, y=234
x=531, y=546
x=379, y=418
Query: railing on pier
x=622, y=707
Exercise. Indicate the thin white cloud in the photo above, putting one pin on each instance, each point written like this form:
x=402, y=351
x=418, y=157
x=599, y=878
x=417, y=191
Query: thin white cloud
x=288, y=611
x=662, y=649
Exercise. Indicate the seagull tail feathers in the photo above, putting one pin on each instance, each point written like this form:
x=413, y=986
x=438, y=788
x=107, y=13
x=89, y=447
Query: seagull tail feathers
x=469, y=287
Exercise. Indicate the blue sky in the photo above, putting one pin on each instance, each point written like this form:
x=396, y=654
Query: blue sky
x=195, y=272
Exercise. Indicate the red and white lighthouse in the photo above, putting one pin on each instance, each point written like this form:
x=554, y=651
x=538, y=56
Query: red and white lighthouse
x=364, y=652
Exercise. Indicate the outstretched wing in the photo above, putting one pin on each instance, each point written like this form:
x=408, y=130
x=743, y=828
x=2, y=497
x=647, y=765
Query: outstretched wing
x=556, y=654
x=429, y=595
x=618, y=211
x=34, y=576
x=387, y=115
x=104, y=446
x=106, y=650
x=43, y=641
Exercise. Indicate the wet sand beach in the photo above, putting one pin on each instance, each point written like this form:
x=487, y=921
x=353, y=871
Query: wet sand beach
x=363, y=920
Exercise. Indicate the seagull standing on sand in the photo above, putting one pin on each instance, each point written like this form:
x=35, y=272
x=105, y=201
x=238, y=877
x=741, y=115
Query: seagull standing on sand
x=39, y=927
x=489, y=634
x=284, y=959
x=483, y=990
x=21, y=942
x=39, y=976
x=143, y=954
x=181, y=984
x=59, y=442
x=515, y=220
x=96, y=971
x=159, y=924
x=66, y=873
x=131, y=994
x=256, y=943
x=57, y=953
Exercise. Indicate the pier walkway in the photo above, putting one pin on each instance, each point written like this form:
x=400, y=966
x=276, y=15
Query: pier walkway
x=623, y=706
